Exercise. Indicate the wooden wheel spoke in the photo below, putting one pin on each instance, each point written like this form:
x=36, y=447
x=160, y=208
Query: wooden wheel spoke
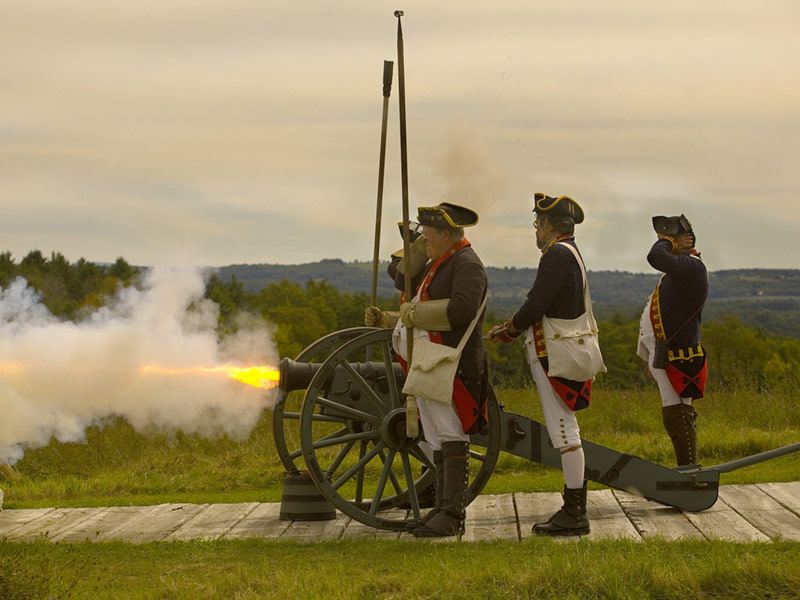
x=316, y=418
x=333, y=439
x=365, y=387
x=412, y=491
x=347, y=411
x=423, y=458
x=392, y=476
x=360, y=477
x=339, y=458
x=354, y=437
x=359, y=465
x=386, y=472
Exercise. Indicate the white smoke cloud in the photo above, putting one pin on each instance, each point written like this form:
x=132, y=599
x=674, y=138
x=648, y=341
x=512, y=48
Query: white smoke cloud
x=57, y=378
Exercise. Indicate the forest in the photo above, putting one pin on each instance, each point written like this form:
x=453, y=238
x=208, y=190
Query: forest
x=740, y=355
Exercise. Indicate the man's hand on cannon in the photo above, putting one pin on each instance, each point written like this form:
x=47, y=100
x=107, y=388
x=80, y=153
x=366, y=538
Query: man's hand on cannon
x=429, y=314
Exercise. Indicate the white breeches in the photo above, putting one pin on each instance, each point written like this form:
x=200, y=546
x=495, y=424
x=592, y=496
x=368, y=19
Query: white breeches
x=646, y=351
x=562, y=426
x=440, y=423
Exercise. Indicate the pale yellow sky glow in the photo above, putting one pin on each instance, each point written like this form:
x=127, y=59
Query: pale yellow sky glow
x=213, y=133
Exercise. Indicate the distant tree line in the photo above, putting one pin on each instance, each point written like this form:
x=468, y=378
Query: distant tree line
x=67, y=289
x=740, y=355
x=766, y=299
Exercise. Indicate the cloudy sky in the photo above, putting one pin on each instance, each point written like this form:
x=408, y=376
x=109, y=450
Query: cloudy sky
x=209, y=133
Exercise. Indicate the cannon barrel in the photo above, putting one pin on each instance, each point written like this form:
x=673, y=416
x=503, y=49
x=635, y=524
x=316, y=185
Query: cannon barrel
x=294, y=375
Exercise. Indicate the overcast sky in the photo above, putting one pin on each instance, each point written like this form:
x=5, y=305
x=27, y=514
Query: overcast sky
x=209, y=133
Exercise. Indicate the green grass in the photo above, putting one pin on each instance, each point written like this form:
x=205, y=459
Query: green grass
x=534, y=568
x=118, y=466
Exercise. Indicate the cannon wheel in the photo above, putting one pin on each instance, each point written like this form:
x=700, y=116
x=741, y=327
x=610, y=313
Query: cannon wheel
x=360, y=458
x=286, y=416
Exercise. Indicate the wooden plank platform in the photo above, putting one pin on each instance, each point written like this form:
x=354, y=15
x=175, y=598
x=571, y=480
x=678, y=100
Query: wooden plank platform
x=744, y=513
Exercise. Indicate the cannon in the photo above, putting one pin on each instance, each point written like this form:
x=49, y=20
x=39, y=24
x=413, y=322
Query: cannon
x=350, y=432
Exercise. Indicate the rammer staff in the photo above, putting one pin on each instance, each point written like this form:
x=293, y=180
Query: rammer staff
x=412, y=418
x=387, y=90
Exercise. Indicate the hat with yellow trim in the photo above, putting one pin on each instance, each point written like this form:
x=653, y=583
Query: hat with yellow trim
x=447, y=216
x=562, y=206
x=672, y=225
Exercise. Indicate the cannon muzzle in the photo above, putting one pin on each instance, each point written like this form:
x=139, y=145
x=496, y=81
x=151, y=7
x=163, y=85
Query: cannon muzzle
x=298, y=375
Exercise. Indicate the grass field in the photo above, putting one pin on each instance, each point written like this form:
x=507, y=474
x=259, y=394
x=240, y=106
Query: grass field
x=542, y=569
x=119, y=466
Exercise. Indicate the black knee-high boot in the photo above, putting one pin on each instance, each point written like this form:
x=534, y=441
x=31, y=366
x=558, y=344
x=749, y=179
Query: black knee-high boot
x=679, y=421
x=452, y=514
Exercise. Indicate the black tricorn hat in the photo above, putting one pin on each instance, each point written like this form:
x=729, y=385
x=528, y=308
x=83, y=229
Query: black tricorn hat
x=447, y=216
x=672, y=225
x=563, y=206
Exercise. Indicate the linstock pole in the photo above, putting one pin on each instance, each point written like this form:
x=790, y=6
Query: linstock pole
x=412, y=422
x=387, y=90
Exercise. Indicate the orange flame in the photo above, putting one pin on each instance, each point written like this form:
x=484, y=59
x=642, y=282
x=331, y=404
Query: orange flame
x=263, y=377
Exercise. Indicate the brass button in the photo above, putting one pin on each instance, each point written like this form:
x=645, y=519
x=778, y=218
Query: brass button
x=580, y=341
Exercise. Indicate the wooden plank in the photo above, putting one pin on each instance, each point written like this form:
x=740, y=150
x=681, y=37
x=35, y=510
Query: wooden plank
x=12, y=519
x=102, y=525
x=317, y=531
x=538, y=508
x=212, y=522
x=787, y=493
x=54, y=523
x=491, y=517
x=656, y=520
x=356, y=529
x=606, y=517
x=87, y=529
x=154, y=525
x=262, y=522
x=721, y=522
x=762, y=511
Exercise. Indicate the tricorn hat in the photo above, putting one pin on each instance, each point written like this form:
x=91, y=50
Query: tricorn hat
x=672, y=225
x=447, y=216
x=563, y=206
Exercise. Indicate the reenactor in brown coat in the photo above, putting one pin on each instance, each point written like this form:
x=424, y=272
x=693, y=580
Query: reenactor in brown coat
x=450, y=286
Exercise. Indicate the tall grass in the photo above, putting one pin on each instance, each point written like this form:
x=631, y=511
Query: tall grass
x=118, y=465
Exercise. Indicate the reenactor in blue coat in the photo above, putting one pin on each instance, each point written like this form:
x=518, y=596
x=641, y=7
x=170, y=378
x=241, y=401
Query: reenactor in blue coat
x=669, y=331
x=557, y=292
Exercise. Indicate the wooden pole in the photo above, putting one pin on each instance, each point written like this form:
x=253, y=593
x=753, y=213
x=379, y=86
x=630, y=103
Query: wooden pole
x=387, y=90
x=412, y=418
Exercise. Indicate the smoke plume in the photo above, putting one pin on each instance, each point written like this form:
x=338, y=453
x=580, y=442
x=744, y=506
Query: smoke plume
x=57, y=377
